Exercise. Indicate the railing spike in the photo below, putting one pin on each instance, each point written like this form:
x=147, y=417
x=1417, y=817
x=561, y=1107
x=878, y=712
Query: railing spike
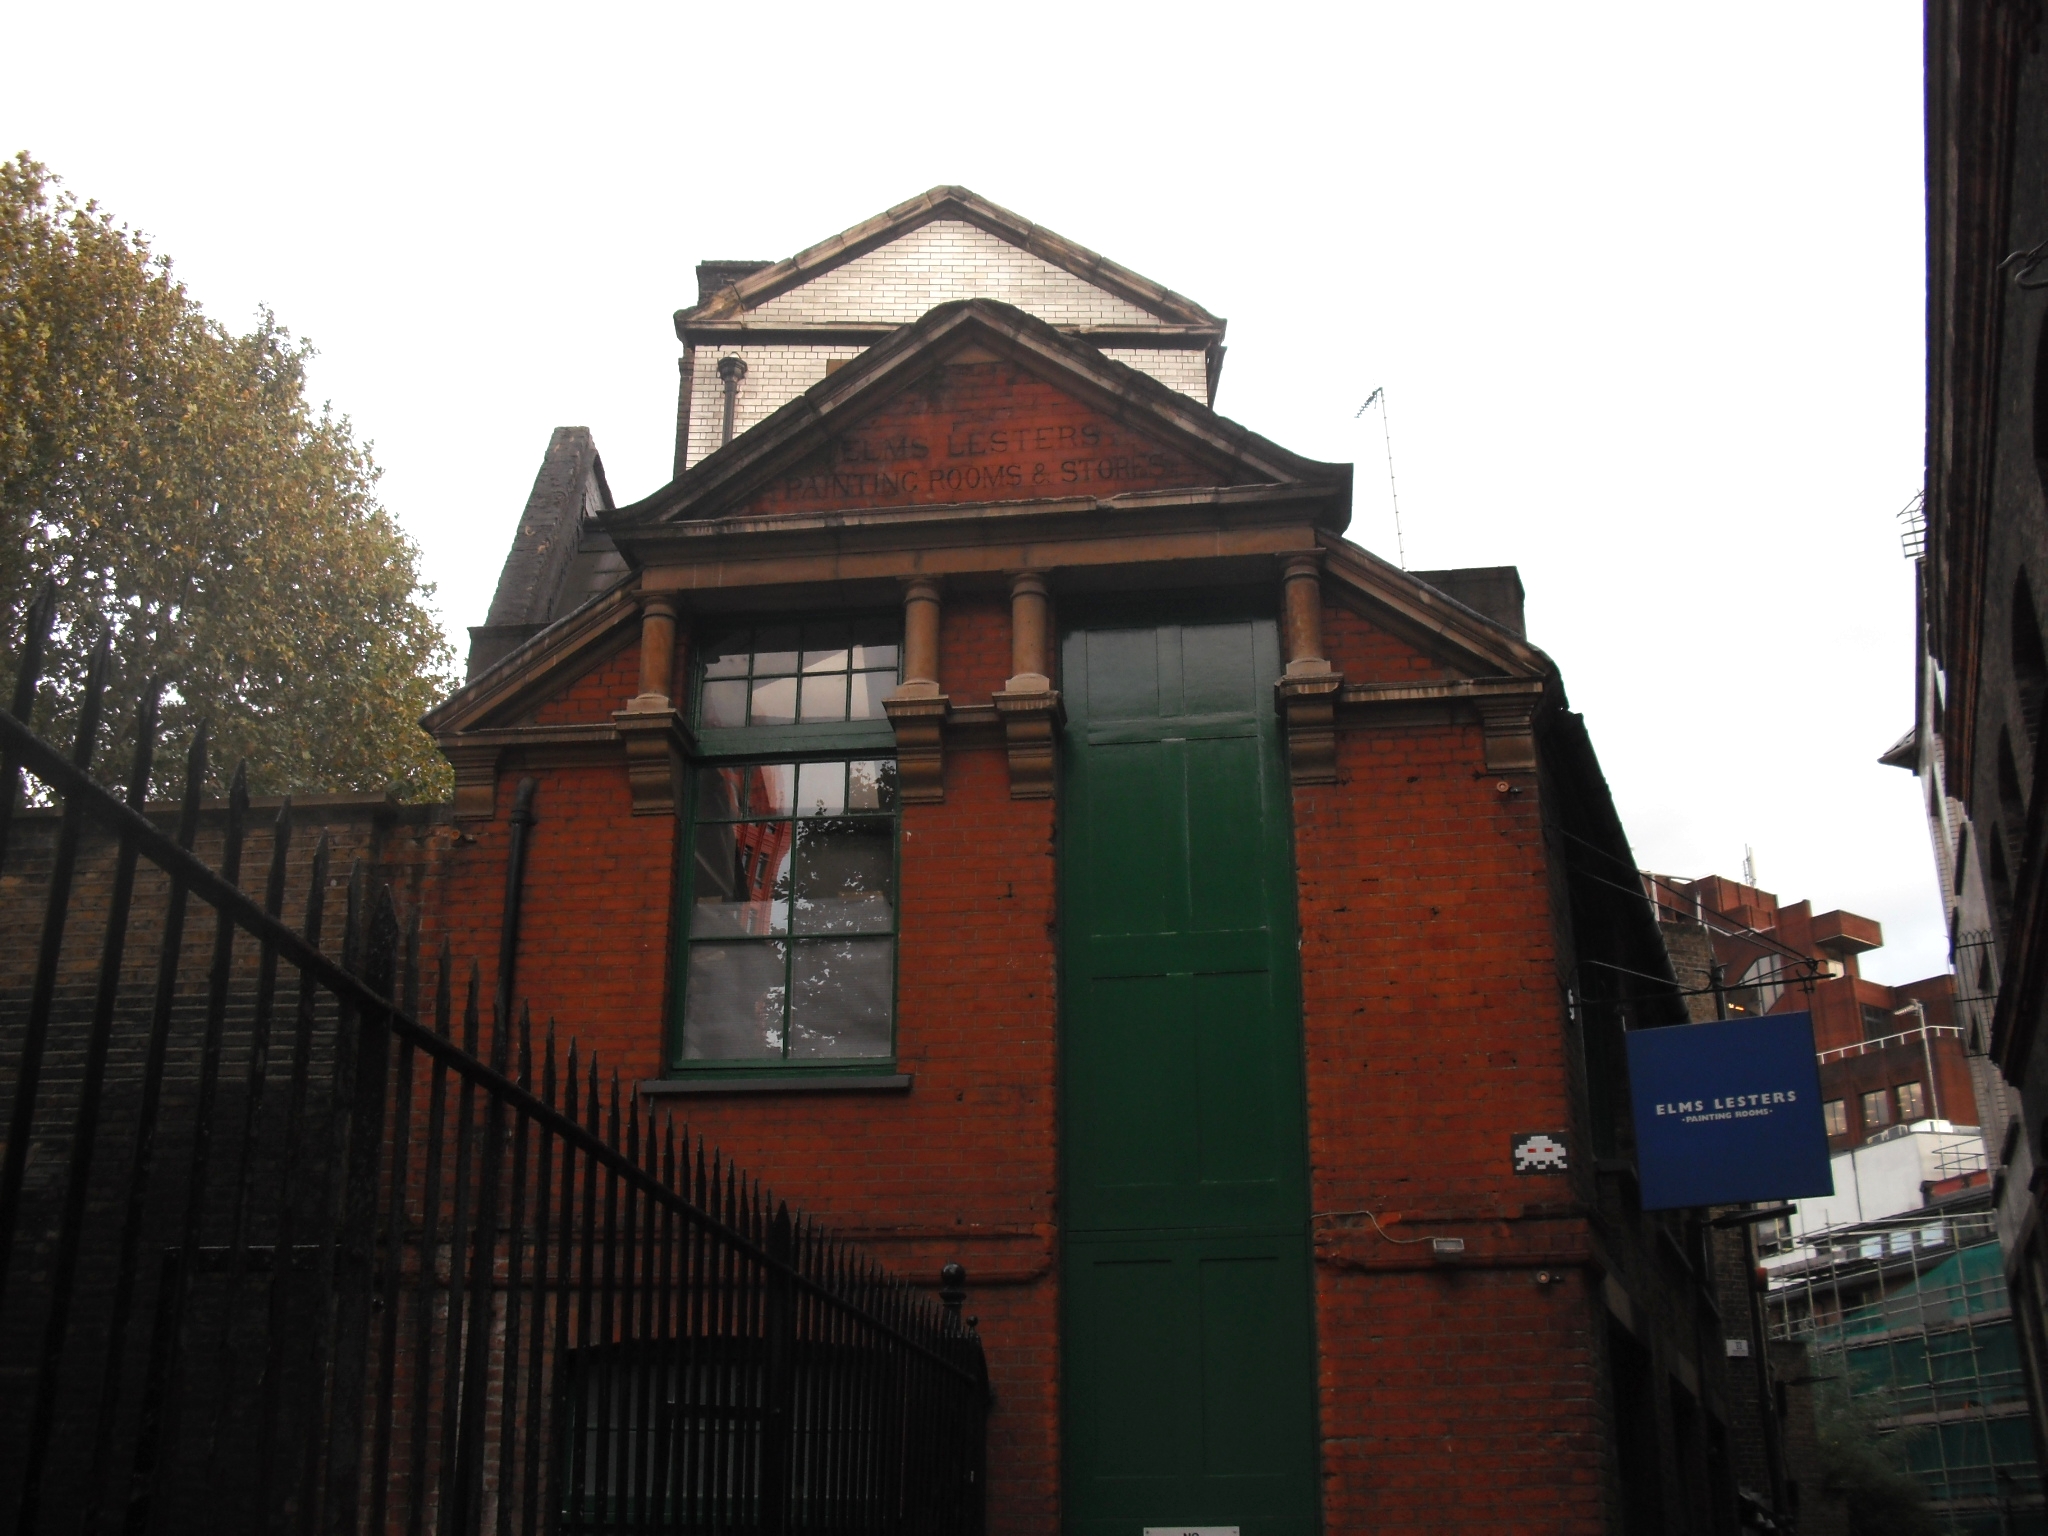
x=35, y=637
x=444, y=989
x=470, y=1019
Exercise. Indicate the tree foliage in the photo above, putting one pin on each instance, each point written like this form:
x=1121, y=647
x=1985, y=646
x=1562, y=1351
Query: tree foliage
x=172, y=480
x=1861, y=1464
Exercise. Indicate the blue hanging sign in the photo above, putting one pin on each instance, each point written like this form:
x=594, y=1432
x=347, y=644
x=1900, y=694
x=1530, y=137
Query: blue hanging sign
x=1728, y=1112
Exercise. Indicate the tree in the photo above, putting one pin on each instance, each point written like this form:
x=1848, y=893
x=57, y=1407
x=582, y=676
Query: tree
x=170, y=478
x=1861, y=1463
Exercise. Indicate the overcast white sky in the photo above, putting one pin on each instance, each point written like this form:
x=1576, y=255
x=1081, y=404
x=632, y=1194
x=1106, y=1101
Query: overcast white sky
x=1644, y=285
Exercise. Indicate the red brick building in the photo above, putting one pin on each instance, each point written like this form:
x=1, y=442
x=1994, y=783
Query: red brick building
x=987, y=795
x=1889, y=1056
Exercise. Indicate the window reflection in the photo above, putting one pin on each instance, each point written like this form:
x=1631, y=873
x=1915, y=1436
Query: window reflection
x=792, y=912
x=845, y=876
x=840, y=999
x=735, y=1005
x=818, y=673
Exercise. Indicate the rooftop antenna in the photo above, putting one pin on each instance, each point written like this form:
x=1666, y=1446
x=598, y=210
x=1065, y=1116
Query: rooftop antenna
x=1379, y=397
x=1748, y=866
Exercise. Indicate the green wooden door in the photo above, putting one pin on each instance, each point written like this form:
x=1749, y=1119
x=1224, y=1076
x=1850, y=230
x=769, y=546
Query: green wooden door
x=1188, y=1356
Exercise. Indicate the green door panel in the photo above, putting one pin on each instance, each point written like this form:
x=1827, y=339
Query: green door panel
x=1177, y=1107
x=1188, y=1360
x=1184, y=1363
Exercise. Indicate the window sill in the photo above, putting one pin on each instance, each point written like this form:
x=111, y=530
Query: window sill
x=778, y=1082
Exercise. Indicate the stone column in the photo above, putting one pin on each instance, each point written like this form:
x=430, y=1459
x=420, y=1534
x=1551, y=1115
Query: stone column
x=649, y=726
x=657, y=652
x=1029, y=706
x=1030, y=663
x=920, y=639
x=917, y=709
x=1309, y=687
x=1301, y=623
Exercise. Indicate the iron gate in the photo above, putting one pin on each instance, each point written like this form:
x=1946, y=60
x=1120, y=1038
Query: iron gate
x=283, y=1247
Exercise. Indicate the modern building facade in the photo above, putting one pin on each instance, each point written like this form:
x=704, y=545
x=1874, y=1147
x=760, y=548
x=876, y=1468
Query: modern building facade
x=1889, y=1056
x=986, y=794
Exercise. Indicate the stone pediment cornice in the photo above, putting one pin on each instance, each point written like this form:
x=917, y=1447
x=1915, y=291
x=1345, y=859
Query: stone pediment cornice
x=495, y=697
x=737, y=299
x=1431, y=620
x=981, y=329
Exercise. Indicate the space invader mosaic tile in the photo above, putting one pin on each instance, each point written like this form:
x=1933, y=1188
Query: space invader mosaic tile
x=1540, y=1152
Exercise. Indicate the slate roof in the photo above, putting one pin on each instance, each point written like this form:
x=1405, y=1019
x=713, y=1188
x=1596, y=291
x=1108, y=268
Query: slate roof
x=559, y=557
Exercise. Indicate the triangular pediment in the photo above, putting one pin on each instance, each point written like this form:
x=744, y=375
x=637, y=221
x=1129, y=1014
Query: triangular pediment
x=999, y=253
x=977, y=402
x=980, y=428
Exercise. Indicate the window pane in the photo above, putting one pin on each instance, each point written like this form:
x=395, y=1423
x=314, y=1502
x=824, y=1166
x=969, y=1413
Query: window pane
x=725, y=703
x=825, y=647
x=775, y=650
x=741, y=882
x=871, y=784
x=844, y=866
x=1912, y=1103
x=733, y=1010
x=840, y=998
x=1874, y=1109
x=1836, y=1113
x=769, y=788
x=728, y=657
x=775, y=701
x=821, y=789
x=719, y=791
x=875, y=656
x=825, y=697
x=869, y=689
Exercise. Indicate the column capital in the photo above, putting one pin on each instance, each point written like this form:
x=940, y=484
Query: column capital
x=1301, y=564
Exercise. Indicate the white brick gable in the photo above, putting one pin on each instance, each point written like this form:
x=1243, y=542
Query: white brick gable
x=935, y=264
x=787, y=320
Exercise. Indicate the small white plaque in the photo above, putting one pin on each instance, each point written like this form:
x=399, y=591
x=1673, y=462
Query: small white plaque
x=1190, y=1530
x=1738, y=1349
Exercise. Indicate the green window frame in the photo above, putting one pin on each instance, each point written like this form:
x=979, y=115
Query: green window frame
x=788, y=928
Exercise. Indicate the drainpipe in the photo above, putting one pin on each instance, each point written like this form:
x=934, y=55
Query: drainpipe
x=515, y=883
x=732, y=370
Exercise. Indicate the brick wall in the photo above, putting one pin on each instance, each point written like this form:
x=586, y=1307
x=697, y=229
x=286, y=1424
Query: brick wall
x=961, y=1167
x=977, y=432
x=1434, y=1030
x=776, y=375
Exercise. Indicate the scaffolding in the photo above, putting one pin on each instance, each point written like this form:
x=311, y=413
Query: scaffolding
x=1911, y=1315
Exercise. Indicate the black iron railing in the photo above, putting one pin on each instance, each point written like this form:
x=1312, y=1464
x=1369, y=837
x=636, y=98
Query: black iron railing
x=282, y=1250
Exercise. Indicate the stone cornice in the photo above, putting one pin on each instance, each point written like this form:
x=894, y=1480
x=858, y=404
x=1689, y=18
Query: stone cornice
x=750, y=333
x=1507, y=708
x=524, y=676
x=1433, y=621
x=900, y=541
